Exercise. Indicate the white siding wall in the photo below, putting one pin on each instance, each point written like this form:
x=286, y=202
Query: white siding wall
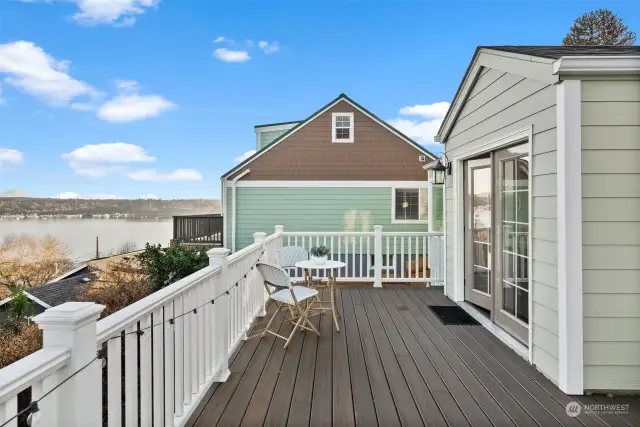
x=611, y=233
x=501, y=103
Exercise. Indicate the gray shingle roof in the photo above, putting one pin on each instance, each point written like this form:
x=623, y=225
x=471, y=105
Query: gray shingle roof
x=62, y=291
x=556, y=52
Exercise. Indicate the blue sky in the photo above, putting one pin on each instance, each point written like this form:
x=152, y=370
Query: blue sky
x=131, y=98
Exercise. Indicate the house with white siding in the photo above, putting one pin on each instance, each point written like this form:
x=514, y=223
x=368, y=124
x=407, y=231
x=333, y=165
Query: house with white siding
x=542, y=149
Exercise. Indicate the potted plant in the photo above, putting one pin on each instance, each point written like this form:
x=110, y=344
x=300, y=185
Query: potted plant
x=319, y=254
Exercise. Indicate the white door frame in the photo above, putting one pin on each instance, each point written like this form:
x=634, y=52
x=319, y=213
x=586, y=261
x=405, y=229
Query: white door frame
x=456, y=289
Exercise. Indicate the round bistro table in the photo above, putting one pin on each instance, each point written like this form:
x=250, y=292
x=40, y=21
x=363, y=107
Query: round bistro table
x=328, y=265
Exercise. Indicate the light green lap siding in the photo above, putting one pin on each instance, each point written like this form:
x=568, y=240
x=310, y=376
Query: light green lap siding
x=312, y=209
x=611, y=233
x=438, y=207
x=266, y=138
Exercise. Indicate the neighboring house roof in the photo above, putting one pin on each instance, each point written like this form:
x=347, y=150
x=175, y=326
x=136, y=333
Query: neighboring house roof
x=56, y=293
x=78, y=269
x=543, y=63
x=557, y=52
x=276, y=124
x=341, y=97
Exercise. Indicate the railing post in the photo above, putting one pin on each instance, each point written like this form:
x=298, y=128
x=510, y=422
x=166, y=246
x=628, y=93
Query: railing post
x=259, y=237
x=279, y=229
x=78, y=402
x=218, y=258
x=377, y=256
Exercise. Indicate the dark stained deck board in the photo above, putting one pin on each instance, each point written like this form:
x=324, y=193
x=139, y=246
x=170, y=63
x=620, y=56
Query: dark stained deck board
x=424, y=400
x=550, y=415
x=300, y=410
x=386, y=410
x=343, y=415
x=404, y=401
x=321, y=414
x=514, y=361
x=448, y=365
x=393, y=363
x=363, y=406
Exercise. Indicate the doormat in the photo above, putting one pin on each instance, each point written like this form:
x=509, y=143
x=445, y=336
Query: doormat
x=453, y=315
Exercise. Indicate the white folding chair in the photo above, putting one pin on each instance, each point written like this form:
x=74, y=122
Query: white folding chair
x=287, y=297
x=288, y=256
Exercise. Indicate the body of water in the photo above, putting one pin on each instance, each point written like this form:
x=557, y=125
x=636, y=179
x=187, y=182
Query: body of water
x=80, y=235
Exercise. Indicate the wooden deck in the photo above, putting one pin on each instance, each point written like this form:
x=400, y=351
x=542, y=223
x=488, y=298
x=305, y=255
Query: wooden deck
x=393, y=364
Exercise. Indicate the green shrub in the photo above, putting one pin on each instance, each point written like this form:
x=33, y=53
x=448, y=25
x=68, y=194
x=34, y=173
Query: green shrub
x=168, y=265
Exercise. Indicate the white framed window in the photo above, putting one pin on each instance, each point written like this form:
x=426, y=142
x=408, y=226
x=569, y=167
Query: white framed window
x=341, y=127
x=409, y=205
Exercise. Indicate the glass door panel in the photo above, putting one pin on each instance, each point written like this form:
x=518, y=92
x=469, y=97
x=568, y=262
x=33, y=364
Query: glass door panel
x=478, y=232
x=512, y=278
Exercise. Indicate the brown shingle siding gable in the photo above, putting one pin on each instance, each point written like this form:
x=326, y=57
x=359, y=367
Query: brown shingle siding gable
x=377, y=154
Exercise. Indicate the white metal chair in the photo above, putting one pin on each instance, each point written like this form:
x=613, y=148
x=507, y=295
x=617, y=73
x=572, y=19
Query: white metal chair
x=287, y=297
x=288, y=256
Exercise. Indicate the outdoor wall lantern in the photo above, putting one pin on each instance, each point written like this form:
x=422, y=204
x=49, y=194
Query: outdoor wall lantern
x=436, y=173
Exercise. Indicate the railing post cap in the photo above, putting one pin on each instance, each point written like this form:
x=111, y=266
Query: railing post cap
x=218, y=252
x=259, y=236
x=279, y=228
x=69, y=315
x=377, y=227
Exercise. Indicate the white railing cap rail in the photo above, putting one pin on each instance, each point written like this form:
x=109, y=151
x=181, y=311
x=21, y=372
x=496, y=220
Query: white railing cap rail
x=328, y=233
x=113, y=324
x=243, y=252
x=31, y=369
x=413, y=233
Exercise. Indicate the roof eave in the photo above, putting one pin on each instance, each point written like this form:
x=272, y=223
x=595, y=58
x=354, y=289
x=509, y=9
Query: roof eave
x=597, y=65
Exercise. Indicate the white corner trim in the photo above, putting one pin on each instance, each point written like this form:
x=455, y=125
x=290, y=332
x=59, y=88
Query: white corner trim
x=601, y=65
x=331, y=184
x=334, y=137
x=569, y=167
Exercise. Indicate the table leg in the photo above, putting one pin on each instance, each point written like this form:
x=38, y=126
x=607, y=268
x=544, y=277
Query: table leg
x=332, y=281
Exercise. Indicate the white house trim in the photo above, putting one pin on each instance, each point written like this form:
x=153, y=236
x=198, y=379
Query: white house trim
x=600, y=65
x=455, y=290
x=340, y=184
x=569, y=167
x=334, y=137
x=315, y=116
x=31, y=297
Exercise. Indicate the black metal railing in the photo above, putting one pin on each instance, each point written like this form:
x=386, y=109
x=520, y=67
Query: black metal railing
x=205, y=229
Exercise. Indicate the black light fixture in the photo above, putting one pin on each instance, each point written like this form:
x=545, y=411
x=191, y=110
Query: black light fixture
x=436, y=173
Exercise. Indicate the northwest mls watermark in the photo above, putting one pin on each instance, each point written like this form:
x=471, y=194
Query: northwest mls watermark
x=574, y=409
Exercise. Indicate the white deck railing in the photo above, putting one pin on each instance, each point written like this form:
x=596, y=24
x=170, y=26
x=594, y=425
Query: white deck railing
x=402, y=256
x=163, y=352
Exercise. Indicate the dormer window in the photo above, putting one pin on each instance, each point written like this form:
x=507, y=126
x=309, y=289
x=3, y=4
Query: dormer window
x=342, y=127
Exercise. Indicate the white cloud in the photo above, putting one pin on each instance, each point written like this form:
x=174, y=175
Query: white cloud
x=131, y=107
x=436, y=110
x=94, y=170
x=220, y=39
x=10, y=156
x=114, y=152
x=230, y=55
x=120, y=13
x=245, y=156
x=72, y=195
x=422, y=131
x=178, y=175
x=269, y=47
x=28, y=67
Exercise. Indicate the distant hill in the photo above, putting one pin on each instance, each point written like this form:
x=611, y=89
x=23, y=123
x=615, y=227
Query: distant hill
x=20, y=205
x=14, y=193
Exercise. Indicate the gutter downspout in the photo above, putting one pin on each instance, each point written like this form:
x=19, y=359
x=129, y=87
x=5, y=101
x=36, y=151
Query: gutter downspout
x=233, y=209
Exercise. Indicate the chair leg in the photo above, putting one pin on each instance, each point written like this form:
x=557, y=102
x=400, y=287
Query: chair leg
x=294, y=331
x=271, y=320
